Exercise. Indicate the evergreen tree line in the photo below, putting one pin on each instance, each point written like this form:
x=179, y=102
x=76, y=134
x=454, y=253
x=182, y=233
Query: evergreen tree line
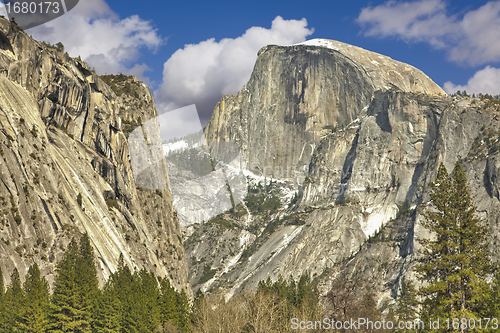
x=138, y=302
x=128, y=302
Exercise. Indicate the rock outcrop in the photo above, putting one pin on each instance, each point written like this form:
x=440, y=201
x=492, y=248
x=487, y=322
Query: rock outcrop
x=297, y=94
x=360, y=137
x=65, y=166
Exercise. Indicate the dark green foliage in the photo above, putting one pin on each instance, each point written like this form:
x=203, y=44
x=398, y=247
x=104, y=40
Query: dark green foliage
x=2, y=285
x=456, y=263
x=112, y=203
x=120, y=84
x=75, y=289
x=495, y=296
x=127, y=288
x=143, y=306
x=271, y=204
x=108, y=311
x=128, y=125
x=263, y=199
x=174, y=307
x=486, y=143
x=59, y=47
x=207, y=274
x=13, y=302
x=407, y=302
x=183, y=311
x=151, y=295
x=79, y=199
x=34, y=317
x=86, y=279
x=65, y=313
x=192, y=159
x=305, y=294
x=2, y=301
x=128, y=302
x=135, y=302
x=168, y=303
x=220, y=220
x=405, y=208
x=294, y=219
x=34, y=131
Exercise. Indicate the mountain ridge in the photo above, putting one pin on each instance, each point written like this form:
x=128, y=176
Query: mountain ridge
x=65, y=166
x=360, y=155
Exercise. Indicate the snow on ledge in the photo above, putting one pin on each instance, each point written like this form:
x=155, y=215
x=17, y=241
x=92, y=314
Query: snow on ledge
x=318, y=42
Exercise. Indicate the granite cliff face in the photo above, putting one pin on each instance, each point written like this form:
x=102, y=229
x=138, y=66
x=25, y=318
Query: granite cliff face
x=298, y=94
x=65, y=166
x=359, y=137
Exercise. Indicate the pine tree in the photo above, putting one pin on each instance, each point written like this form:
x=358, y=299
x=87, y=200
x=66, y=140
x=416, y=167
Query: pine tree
x=128, y=291
x=64, y=313
x=305, y=293
x=151, y=300
x=495, y=296
x=107, y=318
x=88, y=285
x=14, y=304
x=137, y=301
x=168, y=302
x=473, y=255
x=184, y=317
x=454, y=264
x=35, y=315
x=2, y=301
x=407, y=302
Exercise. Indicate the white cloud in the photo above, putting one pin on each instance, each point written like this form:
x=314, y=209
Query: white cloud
x=486, y=81
x=201, y=73
x=94, y=32
x=179, y=123
x=471, y=39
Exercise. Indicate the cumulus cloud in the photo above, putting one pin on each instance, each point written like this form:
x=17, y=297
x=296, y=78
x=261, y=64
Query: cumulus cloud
x=486, y=81
x=94, y=32
x=201, y=73
x=469, y=39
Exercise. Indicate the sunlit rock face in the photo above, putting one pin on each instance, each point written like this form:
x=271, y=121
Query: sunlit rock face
x=65, y=166
x=359, y=136
x=297, y=94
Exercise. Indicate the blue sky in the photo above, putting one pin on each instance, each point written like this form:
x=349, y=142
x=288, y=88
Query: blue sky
x=195, y=51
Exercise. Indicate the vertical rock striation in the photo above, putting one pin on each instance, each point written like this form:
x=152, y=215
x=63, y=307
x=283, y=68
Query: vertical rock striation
x=65, y=166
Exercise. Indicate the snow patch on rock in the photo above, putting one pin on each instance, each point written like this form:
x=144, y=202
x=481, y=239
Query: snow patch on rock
x=319, y=42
